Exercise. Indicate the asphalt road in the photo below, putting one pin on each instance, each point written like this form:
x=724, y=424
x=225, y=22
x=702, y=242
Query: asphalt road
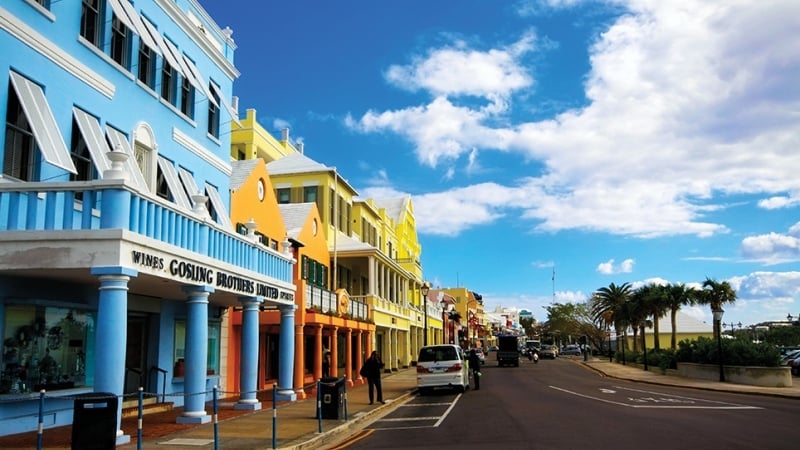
x=557, y=404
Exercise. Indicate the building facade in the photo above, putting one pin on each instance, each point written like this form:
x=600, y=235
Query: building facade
x=118, y=257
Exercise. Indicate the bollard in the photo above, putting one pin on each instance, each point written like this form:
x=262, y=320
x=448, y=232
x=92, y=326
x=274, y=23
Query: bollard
x=319, y=404
x=344, y=392
x=275, y=415
x=216, y=422
x=40, y=430
x=139, y=421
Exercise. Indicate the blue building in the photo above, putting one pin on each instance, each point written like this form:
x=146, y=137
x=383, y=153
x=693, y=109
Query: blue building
x=118, y=259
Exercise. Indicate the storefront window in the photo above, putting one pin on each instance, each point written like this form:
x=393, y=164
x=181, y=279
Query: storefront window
x=45, y=348
x=212, y=363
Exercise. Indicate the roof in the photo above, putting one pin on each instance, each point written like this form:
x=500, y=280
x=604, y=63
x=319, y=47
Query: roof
x=241, y=170
x=294, y=216
x=296, y=163
x=684, y=324
x=394, y=206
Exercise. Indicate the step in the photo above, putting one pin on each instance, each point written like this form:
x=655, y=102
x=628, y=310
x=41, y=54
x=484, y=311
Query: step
x=151, y=408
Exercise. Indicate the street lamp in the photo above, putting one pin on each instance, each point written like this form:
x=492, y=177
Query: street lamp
x=424, y=289
x=718, y=312
x=643, y=324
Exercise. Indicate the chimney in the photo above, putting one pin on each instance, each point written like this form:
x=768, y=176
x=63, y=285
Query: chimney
x=285, y=135
x=235, y=103
x=300, y=147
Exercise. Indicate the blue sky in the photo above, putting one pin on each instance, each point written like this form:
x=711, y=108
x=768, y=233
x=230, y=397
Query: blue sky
x=603, y=141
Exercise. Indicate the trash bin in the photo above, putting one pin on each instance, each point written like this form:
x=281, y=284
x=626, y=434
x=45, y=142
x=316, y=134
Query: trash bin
x=94, y=421
x=331, y=391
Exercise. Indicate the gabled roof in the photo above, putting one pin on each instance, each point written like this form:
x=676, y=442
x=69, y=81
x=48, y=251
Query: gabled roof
x=241, y=170
x=296, y=163
x=299, y=163
x=394, y=206
x=294, y=216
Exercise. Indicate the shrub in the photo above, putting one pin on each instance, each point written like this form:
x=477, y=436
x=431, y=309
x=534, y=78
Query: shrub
x=735, y=352
x=663, y=358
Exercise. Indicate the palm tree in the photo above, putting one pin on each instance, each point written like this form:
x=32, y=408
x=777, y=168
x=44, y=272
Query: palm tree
x=610, y=305
x=639, y=308
x=715, y=294
x=678, y=295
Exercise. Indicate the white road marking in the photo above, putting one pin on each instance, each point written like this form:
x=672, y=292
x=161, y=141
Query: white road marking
x=608, y=391
x=728, y=405
x=444, y=416
x=403, y=419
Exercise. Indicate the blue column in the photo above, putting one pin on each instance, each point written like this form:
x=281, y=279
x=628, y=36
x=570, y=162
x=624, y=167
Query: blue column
x=196, y=355
x=111, y=336
x=248, y=362
x=286, y=352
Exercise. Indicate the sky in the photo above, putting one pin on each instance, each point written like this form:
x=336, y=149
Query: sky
x=552, y=147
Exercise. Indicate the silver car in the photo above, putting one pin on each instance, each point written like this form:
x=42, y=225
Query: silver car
x=442, y=366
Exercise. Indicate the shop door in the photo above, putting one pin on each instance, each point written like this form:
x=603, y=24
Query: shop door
x=136, y=354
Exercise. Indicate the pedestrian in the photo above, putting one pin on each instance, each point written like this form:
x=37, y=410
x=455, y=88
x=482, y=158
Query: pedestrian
x=372, y=371
x=326, y=364
x=475, y=367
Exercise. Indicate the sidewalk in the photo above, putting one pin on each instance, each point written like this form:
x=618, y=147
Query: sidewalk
x=296, y=422
x=298, y=428
x=637, y=373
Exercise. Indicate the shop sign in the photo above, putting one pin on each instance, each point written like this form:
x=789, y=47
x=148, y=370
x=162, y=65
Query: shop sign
x=183, y=270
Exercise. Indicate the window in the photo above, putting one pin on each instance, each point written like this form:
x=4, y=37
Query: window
x=213, y=119
x=45, y=3
x=212, y=362
x=314, y=272
x=119, y=42
x=81, y=157
x=144, y=159
x=310, y=194
x=162, y=187
x=90, y=21
x=168, y=83
x=284, y=195
x=45, y=348
x=147, y=65
x=187, y=98
x=20, y=152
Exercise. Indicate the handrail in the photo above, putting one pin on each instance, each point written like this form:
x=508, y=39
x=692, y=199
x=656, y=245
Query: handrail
x=136, y=371
x=163, y=372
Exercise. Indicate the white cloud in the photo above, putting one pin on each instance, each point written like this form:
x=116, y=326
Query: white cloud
x=780, y=201
x=683, y=106
x=773, y=248
x=608, y=267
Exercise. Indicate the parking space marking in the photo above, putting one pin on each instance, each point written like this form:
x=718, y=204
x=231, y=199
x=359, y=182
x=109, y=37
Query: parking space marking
x=438, y=419
x=645, y=401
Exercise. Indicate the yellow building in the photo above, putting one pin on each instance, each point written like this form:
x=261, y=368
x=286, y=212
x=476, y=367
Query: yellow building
x=471, y=327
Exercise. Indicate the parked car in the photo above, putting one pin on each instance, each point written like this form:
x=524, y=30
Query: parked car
x=572, y=350
x=442, y=366
x=548, y=351
x=788, y=358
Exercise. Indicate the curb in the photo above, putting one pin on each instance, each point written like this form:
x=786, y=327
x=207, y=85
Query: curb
x=345, y=429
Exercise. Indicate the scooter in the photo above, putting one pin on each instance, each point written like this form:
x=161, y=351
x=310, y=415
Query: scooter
x=535, y=357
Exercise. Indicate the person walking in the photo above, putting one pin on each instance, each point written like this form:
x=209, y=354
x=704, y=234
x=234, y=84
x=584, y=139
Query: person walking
x=475, y=367
x=372, y=371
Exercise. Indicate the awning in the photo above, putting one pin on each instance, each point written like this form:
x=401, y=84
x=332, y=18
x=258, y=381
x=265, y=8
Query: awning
x=175, y=187
x=119, y=141
x=95, y=141
x=42, y=122
x=216, y=201
x=161, y=42
x=128, y=15
x=199, y=79
x=233, y=113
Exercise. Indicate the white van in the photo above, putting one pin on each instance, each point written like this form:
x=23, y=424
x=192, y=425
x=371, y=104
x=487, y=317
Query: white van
x=442, y=366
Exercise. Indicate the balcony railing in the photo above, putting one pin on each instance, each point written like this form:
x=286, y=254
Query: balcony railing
x=67, y=206
x=326, y=301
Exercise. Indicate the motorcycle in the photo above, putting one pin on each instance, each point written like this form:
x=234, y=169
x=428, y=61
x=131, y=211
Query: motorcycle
x=533, y=355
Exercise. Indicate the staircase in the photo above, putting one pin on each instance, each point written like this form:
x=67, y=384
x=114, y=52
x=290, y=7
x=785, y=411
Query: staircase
x=130, y=408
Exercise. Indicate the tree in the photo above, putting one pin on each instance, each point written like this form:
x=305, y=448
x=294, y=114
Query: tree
x=678, y=295
x=716, y=293
x=652, y=300
x=610, y=306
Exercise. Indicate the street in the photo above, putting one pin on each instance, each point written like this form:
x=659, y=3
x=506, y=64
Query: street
x=561, y=405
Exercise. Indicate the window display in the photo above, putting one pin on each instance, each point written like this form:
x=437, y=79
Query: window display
x=45, y=348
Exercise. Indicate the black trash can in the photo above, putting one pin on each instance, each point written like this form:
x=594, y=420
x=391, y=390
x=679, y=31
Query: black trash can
x=331, y=393
x=94, y=421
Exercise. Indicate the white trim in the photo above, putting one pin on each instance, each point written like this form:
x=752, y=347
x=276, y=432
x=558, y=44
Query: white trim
x=176, y=58
x=93, y=136
x=49, y=50
x=40, y=117
x=199, y=79
x=171, y=8
x=190, y=144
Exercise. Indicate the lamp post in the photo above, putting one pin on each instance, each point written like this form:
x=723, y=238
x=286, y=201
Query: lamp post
x=643, y=324
x=424, y=289
x=718, y=312
x=610, y=353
